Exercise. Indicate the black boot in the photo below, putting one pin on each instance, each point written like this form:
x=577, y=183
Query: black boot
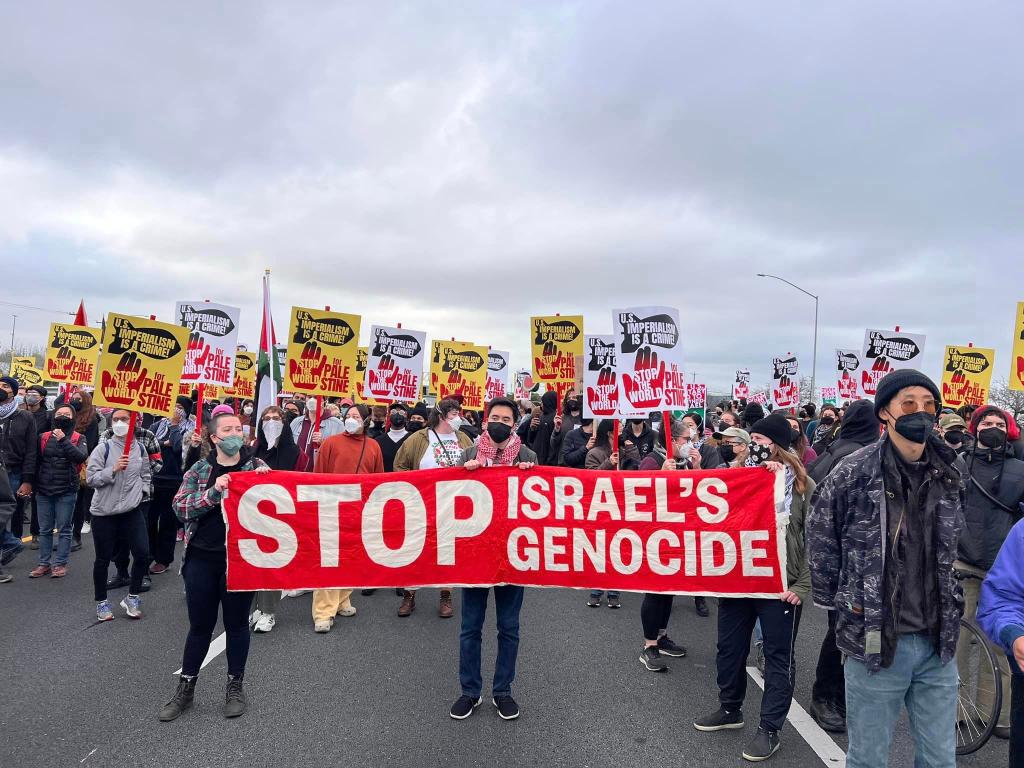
x=827, y=715
x=701, y=604
x=181, y=701
x=234, y=702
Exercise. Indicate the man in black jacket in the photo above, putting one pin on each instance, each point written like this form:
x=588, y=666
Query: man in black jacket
x=577, y=442
x=638, y=434
x=995, y=491
x=859, y=428
x=19, y=451
x=394, y=438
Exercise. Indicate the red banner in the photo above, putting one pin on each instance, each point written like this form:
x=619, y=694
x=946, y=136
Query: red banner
x=703, y=533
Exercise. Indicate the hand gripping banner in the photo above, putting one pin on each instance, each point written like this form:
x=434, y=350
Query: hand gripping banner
x=702, y=533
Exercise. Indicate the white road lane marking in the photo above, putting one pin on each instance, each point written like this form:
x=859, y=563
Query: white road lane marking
x=216, y=649
x=822, y=744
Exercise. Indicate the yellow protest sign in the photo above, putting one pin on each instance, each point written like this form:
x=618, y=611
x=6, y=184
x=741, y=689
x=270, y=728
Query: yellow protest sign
x=25, y=371
x=140, y=367
x=461, y=370
x=436, y=359
x=245, y=377
x=322, y=352
x=556, y=342
x=71, y=353
x=967, y=376
x=1017, y=359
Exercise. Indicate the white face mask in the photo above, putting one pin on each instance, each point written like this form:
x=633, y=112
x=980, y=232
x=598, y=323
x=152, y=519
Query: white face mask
x=120, y=428
x=311, y=405
x=272, y=431
x=247, y=410
x=455, y=422
x=352, y=426
x=683, y=451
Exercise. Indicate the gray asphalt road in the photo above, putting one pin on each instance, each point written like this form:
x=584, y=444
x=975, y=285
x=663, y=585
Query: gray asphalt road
x=375, y=691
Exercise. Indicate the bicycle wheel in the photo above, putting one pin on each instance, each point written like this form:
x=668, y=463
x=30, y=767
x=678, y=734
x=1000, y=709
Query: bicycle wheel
x=980, y=694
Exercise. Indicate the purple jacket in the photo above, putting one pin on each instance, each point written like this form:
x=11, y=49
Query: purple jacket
x=1001, y=606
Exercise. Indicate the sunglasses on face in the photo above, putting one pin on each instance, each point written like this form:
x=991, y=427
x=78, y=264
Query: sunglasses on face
x=913, y=406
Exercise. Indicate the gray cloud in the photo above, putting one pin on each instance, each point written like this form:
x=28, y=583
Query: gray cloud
x=460, y=169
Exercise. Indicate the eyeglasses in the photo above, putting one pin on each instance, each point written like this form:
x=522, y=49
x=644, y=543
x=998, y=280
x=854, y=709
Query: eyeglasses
x=913, y=406
x=271, y=418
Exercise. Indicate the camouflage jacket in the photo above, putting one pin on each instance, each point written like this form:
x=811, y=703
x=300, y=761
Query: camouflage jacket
x=848, y=544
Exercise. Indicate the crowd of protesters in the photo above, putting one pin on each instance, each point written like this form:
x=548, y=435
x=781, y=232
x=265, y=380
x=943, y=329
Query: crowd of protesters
x=903, y=516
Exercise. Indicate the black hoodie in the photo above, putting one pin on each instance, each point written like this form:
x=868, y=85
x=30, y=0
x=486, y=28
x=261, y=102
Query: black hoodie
x=540, y=438
x=859, y=427
x=644, y=443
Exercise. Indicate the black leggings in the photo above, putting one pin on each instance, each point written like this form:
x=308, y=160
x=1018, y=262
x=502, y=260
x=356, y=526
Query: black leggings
x=205, y=592
x=655, y=611
x=108, y=532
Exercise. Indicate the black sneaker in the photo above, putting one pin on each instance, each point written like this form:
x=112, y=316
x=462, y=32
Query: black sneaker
x=506, y=706
x=764, y=745
x=117, y=581
x=720, y=720
x=668, y=648
x=613, y=603
x=651, y=659
x=367, y=592
x=11, y=552
x=701, y=606
x=147, y=583
x=76, y=544
x=464, y=706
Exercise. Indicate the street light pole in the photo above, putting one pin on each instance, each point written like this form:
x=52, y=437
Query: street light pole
x=814, y=364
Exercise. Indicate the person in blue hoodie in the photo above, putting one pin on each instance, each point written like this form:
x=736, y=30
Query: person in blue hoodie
x=1001, y=616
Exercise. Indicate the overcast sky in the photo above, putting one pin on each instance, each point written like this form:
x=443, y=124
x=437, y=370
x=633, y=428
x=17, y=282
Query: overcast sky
x=458, y=167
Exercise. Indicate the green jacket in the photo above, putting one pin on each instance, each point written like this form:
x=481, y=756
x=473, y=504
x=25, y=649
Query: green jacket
x=798, y=569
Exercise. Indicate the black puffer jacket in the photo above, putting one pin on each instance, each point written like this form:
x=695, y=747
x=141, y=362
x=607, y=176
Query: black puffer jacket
x=644, y=443
x=988, y=523
x=19, y=444
x=574, y=448
x=57, y=472
x=540, y=438
x=858, y=428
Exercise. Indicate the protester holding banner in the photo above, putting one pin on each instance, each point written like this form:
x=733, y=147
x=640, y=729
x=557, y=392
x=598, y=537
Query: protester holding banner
x=637, y=438
x=439, y=444
x=275, y=448
x=352, y=452
x=995, y=491
x=87, y=423
x=827, y=429
x=771, y=440
x=197, y=505
x=577, y=444
x=709, y=456
x=61, y=455
x=120, y=482
x=882, y=539
x=498, y=446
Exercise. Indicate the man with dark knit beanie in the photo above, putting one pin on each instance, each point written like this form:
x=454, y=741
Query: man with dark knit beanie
x=881, y=538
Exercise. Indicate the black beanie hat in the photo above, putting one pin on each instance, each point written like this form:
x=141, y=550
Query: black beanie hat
x=890, y=385
x=776, y=428
x=752, y=413
x=186, y=403
x=420, y=410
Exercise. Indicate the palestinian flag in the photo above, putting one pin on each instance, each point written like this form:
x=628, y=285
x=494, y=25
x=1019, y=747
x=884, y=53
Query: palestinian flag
x=268, y=371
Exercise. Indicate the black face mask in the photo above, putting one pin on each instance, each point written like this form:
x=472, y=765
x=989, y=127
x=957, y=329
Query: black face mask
x=992, y=437
x=794, y=435
x=915, y=427
x=498, y=432
x=828, y=421
x=414, y=426
x=4, y=397
x=956, y=437
x=64, y=424
x=397, y=420
x=727, y=452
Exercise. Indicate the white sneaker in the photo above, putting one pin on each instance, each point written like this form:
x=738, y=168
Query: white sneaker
x=265, y=623
x=347, y=610
x=294, y=592
x=86, y=528
x=323, y=625
x=254, y=617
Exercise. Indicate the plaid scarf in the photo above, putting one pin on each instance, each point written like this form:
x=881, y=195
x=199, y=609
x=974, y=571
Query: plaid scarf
x=487, y=452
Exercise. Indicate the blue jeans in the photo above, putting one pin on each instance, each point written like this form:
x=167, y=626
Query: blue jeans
x=7, y=538
x=916, y=678
x=508, y=601
x=56, y=511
